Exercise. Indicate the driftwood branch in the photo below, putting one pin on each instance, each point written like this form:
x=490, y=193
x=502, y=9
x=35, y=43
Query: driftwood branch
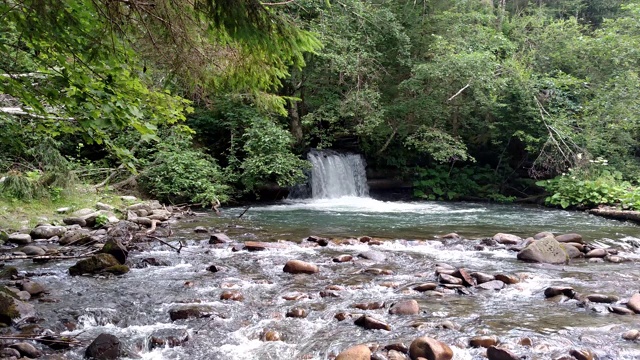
x=386, y=144
x=177, y=249
x=245, y=210
x=60, y=340
x=459, y=92
x=48, y=257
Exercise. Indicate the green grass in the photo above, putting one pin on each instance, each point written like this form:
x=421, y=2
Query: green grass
x=20, y=214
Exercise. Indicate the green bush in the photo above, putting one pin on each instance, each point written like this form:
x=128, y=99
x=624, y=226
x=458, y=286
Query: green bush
x=179, y=173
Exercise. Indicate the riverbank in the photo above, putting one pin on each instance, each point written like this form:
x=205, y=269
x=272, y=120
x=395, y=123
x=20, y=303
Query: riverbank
x=208, y=286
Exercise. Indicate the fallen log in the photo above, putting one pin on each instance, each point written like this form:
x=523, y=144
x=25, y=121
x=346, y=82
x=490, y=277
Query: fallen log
x=48, y=257
x=616, y=214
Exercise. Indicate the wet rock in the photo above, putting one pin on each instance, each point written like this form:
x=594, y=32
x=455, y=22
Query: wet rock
x=482, y=277
x=508, y=279
x=9, y=353
x=542, y=235
x=425, y=287
x=271, y=335
x=370, y=323
x=104, y=347
x=300, y=267
x=430, y=349
x=33, y=250
x=483, y=341
x=450, y=279
x=233, y=295
x=219, y=238
x=614, y=259
x=377, y=271
x=552, y=291
x=581, y=354
x=75, y=221
x=296, y=313
x=620, y=310
x=116, y=249
x=8, y=272
x=467, y=279
x=11, y=309
x=213, y=268
x=373, y=255
x=94, y=264
x=318, y=240
x=445, y=270
x=568, y=238
x=260, y=246
x=596, y=260
x=358, y=352
x=496, y=353
x=295, y=296
x=342, y=258
x=151, y=261
x=546, y=250
x=47, y=231
x=572, y=251
x=76, y=237
x=26, y=349
x=634, y=303
x=200, y=230
x=491, y=285
x=369, y=306
x=117, y=269
x=399, y=347
x=631, y=335
x=192, y=311
x=168, y=338
x=597, y=253
x=405, y=307
x=599, y=298
x=32, y=287
x=341, y=316
x=20, y=239
x=525, y=341
x=507, y=239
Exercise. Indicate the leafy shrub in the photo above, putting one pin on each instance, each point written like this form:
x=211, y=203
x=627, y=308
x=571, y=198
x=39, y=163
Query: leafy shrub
x=444, y=183
x=590, y=187
x=180, y=173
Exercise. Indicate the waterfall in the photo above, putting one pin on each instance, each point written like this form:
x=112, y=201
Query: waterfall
x=336, y=175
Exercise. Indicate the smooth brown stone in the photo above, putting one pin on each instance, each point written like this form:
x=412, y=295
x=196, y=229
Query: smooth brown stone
x=300, y=267
x=297, y=313
x=567, y=238
x=295, y=296
x=620, y=310
x=552, y=291
x=508, y=279
x=634, y=303
x=399, y=347
x=341, y=316
x=369, y=306
x=491, y=285
x=231, y=295
x=342, y=258
x=631, y=335
x=496, y=353
x=405, y=307
x=425, y=287
x=599, y=298
x=449, y=279
x=358, y=352
x=430, y=349
x=483, y=341
x=271, y=335
x=597, y=253
x=482, y=278
x=467, y=279
x=370, y=323
x=581, y=354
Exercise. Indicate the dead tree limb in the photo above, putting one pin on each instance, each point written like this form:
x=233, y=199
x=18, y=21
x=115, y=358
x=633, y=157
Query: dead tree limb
x=177, y=249
x=459, y=92
x=48, y=257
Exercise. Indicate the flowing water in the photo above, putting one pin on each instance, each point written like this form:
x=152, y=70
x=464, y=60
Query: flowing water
x=135, y=306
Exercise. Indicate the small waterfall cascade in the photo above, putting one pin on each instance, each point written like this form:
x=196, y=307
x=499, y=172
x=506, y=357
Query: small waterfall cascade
x=336, y=175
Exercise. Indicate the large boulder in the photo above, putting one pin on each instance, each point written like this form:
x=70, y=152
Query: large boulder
x=634, y=303
x=95, y=264
x=75, y=237
x=358, y=352
x=47, y=231
x=430, y=349
x=19, y=238
x=11, y=309
x=547, y=250
x=115, y=248
x=104, y=347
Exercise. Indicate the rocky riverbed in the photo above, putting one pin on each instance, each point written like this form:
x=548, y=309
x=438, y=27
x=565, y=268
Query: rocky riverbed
x=167, y=283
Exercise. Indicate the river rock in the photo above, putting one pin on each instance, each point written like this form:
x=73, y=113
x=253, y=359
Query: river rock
x=491, y=285
x=234, y=295
x=450, y=279
x=425, y=287
x=75, y=221
x=32, y=287
x=581, y=354
x=620, y=310
x=116, y=249
x=76, y=237
x=482, y=277
x=483, y=341
x=600, y=298
x=26, y=349
x=567, y=238
x=271, y=335
x=9, y=353
x=496, y=353
x=370, y=323
x=508, y=279
x=104, y=347
x=19, y=238
x=373, y=255
x=318, y=240
x=296, y=313
x=552, y=291
x=189, y=311
x=507, y=239
x=47, y=231
x=405, y=307
x=341, y=316
x=33, y=250
x=358, y=352
x=467, y=279
x=430, y=349
x=572, y=251
x=369, y=306
x=168, y=338
x=94, y=264
x=300, y=267
x=128, y=198
x=342, y=258
x=396, y=355
x=8, y=272
x=542, y=235
x=12, y=309
x=597, y=253
x=634, y=303
x=631, y=335
x=546, y=250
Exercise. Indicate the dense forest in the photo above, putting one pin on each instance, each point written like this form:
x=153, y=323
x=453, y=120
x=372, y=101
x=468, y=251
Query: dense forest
x=208, y=101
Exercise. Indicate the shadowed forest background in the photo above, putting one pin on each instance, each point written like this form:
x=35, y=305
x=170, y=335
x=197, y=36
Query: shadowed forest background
x=209, y=101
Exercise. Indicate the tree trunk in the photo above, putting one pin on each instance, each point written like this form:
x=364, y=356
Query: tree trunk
x=294, y=119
